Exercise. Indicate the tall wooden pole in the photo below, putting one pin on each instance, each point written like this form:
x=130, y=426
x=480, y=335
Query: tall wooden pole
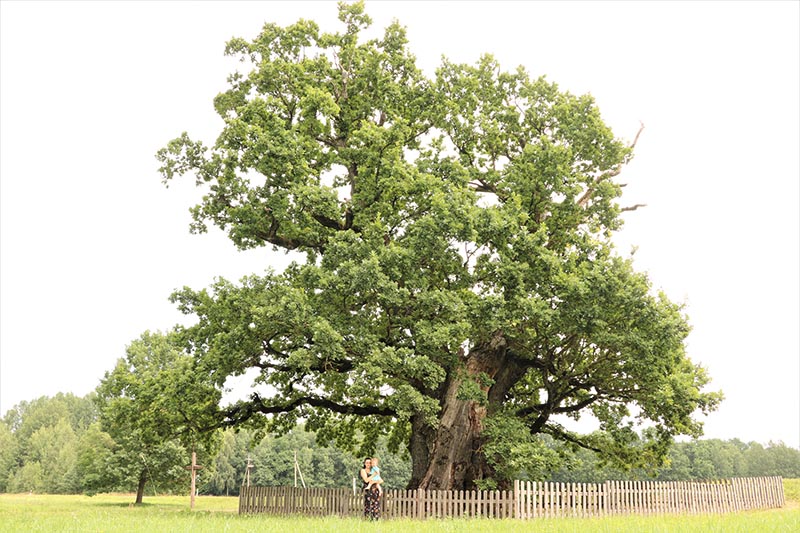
x=194, y=468
x=247, y=470
x=194, y=476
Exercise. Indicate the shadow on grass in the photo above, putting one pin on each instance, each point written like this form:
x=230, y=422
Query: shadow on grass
x=171, y=507
x=132, y=505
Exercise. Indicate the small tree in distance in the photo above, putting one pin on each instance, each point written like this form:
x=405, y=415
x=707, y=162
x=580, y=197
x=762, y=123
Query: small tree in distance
x=154, y=404
x=459, y=292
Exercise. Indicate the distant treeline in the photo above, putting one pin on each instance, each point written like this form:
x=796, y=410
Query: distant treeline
x=698, y=459
x=56, y=445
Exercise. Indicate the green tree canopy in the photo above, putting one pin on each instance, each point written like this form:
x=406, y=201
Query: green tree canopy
x=273, y=457
x=458, y=266
x=95, y=461
x=155, y=404
x=8, y=455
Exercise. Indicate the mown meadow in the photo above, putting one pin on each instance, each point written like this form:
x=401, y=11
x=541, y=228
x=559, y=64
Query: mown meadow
x=115, y=513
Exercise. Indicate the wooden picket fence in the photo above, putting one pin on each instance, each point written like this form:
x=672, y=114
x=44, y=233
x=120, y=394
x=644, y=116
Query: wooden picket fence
x=646, y=497
x=295, y=500
x=528, y=500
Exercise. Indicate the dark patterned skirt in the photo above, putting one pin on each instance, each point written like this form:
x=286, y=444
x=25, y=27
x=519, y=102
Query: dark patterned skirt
x=372, y=503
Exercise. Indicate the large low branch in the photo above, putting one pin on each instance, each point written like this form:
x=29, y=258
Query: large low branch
x=242, y=411
x=586, y=402
x=540, y=408
x=559, y=433
x=245, y=410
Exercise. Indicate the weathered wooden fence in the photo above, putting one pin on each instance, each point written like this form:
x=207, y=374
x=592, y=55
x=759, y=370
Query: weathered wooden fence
x=295, y=500
x=529, y=500
x=646, y=497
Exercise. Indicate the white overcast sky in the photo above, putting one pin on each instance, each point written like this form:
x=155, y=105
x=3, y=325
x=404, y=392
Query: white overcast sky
x=93, y=244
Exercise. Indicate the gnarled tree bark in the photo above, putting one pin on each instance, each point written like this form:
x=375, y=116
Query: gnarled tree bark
x=449, y=456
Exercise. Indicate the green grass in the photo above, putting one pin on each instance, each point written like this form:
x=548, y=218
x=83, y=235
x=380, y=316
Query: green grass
x=114, y=513
x=791, y=490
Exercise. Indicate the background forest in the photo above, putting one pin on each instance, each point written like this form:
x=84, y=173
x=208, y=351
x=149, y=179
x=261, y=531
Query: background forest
x=55, y=445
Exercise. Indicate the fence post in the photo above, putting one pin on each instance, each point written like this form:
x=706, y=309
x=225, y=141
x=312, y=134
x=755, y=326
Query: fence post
x=768, y=500
x=544, y=498
x=530, y=487
x=740, y=495
x=605, y=508
x=776, y=485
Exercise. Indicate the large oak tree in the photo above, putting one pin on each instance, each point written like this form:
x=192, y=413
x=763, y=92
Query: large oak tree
x=458, y=267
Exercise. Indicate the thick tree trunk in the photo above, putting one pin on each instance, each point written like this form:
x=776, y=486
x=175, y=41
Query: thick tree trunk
x=455, y=460
x=140, y=489
x=449, y=456
x=422, y=438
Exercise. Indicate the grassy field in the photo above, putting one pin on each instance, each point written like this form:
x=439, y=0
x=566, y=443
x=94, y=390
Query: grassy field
x=114, y=513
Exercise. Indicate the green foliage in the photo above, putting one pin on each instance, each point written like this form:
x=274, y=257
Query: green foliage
x=791, y=489
x=8, y=454
x=696, y=459
x=94, y=464
x=224, y=479
x=517, y=454
x=54, y=448
x=26, y=418
x=42, y=439
x=29, y=478
x=456, y=231
x=158, y=393
x=157, y=406
x=273, y=462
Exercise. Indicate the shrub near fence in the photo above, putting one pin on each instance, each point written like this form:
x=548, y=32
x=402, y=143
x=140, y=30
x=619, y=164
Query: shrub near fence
x=528, y=500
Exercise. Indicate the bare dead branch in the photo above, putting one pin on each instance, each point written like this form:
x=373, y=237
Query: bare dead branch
x=583, y=200
x=636, y=139
x=633, y=207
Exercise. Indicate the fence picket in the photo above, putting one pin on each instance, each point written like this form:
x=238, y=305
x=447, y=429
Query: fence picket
x=532, y=499
x=768, y=492
x=557, y=508
x=712, y=496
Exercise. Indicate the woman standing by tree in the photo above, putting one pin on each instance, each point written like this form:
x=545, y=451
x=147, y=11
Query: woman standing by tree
x=372, y=496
